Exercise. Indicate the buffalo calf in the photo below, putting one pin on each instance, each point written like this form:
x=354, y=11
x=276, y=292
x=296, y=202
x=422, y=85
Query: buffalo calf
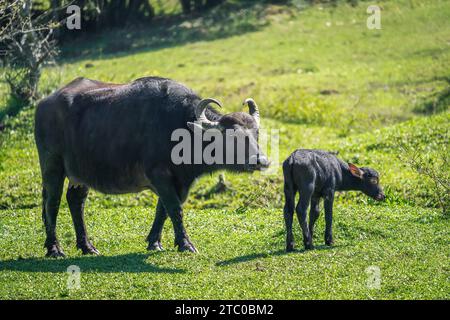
x=319, y=174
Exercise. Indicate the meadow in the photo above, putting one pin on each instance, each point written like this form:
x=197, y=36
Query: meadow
x=325, y=81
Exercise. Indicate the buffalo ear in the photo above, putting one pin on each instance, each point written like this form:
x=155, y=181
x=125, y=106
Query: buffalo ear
x=357, y=172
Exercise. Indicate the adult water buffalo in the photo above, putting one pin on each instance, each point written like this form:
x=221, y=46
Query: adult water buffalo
x=116, y=138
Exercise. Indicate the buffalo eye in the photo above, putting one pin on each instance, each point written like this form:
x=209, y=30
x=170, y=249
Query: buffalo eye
x=373, y=180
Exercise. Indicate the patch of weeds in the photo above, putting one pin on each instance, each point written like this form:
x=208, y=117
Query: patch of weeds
x=434, y=166
x=439, y=102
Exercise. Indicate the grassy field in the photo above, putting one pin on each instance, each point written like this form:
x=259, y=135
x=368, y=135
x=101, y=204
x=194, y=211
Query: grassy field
x=324, y=81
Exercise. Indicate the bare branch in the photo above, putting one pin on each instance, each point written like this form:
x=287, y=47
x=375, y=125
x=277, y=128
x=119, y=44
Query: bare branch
x=28, y=46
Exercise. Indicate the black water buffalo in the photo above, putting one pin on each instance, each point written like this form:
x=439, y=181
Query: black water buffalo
x=116, y=138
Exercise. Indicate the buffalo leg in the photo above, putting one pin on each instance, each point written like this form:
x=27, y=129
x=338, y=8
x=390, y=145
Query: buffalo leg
x=302, y=212
x=328, y=204
x=76, y=198
x=313, y=215
x=289, y=204
x=164, y=184
x=154, y=237
x=52, y=181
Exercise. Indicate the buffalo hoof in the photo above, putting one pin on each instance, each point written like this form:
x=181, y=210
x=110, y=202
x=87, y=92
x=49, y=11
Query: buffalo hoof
x=189, y=247
x=88, y=248
x=329, y=242
x=155, y=246
x=55, y=252
x=309, y=246
x=290, y=247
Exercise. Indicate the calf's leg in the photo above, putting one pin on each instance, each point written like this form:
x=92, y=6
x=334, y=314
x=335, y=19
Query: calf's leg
x=289, y=204
x=302, y=211
x=313, y=215
x=328, y=204
x=76, y=198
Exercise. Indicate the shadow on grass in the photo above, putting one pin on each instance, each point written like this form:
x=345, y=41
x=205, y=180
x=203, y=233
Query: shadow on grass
x=132, y=262
x=224, y=21
x=435, y=103
x=438, y=103
x=255, y=256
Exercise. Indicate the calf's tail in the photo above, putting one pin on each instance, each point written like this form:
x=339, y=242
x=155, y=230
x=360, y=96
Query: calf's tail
x=289, y=187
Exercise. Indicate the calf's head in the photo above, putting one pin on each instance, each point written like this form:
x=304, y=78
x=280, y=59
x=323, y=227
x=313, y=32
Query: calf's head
x=239, y=132
x=369, y=181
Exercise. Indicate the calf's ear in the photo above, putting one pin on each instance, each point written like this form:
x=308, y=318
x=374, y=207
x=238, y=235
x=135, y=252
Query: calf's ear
x=357, y=172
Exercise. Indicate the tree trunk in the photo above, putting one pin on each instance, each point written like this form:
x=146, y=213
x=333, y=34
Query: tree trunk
x=213, y=3
x=198, y=5
x=186, y=6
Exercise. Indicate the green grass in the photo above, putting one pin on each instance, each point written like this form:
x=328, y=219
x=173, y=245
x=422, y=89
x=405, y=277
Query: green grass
x=343, y=88
x=241, y=257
